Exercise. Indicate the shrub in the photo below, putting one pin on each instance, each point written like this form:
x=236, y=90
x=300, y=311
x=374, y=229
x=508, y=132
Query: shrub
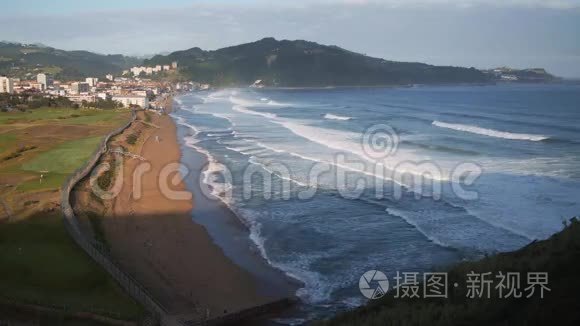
x=30, y=202
x=105, y=180
x=132, y=139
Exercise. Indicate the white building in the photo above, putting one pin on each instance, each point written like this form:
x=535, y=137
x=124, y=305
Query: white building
x=110, y=77
x=57, y=92
x=138, y=70
x=92, y=81
x=128, y=100
x=43, y=79
x=103, y=96
x=79, y=88
x=139, y=92
x=509, y=77
x=6, y=85
x=80, y=98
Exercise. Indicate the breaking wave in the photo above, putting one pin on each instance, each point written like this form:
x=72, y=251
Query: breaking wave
x=331, y=116
x=489, y=132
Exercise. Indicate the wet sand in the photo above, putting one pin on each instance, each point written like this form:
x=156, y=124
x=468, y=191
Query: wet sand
x=155, y=239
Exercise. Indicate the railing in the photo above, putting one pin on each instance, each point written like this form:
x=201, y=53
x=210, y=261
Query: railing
x=92, y=247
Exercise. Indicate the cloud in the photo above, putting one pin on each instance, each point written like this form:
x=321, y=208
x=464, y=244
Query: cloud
x=464, y=32
x=552, y=4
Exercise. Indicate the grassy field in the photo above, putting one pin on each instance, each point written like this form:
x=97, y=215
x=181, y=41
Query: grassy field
x=6, y=141
x=64, y=158
x=39, y=263
x=40, y=148
x=65, y=115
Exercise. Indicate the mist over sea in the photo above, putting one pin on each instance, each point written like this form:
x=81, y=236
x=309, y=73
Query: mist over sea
x=524, y=138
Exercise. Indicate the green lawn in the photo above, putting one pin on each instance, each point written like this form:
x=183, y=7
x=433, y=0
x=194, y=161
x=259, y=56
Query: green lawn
x=40, y=263
x=6, y=140
x=49, y=181
x=64, y=115
x=64, y=158
x=59, y=161
x=102, y=116
x=36, y=114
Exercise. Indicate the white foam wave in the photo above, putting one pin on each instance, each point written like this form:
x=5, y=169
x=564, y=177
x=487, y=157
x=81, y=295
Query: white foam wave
x=290, y=321
x=489, y=132
x=275, y=103
x=248, y=150
x=254, y=160
x=241, y=109
x=244, y=102
x=181, y=121
x=192, y=109
x=331, y=116
x=223, y=116
x=264, y=101
x=410, y=221
x=219, y=95
x=346, y=141
x=316, y=288
x=220, y=190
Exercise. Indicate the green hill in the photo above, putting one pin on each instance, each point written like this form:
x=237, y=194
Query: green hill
x=558, y=256
x=18, y=60
x=530, y=75
x=303, y=63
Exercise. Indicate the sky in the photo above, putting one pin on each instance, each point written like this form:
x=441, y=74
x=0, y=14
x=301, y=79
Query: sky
x=471, y=33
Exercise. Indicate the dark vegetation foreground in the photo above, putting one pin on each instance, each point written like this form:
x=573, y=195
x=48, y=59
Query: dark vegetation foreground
x=559, y=256
x=40, y=265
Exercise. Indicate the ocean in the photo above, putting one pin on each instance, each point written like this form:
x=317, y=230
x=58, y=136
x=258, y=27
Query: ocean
x=334, y=182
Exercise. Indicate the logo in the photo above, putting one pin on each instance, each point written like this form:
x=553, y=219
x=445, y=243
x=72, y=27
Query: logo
x=380, y=141
x=370, y=278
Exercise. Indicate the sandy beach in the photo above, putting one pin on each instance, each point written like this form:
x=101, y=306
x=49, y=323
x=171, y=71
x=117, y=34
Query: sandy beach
x=155, y=239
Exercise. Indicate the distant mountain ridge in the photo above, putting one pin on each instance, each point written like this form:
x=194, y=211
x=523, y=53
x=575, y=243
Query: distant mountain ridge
x=281, y=63
x=530, y=75
x=19, y=60
x=303, y=63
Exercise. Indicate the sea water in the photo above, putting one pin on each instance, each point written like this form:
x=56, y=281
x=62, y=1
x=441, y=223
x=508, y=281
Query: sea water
x=524, y=140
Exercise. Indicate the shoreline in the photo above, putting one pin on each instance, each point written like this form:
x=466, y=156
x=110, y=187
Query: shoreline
x=360, y=86
x=226, y=228
x=157, y=241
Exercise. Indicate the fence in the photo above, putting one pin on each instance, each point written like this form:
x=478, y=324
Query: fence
x=90, y=246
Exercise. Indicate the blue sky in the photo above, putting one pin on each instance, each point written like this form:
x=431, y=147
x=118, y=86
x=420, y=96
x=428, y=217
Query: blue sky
x=479, y=33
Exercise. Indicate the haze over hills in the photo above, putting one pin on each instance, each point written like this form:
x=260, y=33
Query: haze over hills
x=281, y=63
x=18, y=60
x=303, y=63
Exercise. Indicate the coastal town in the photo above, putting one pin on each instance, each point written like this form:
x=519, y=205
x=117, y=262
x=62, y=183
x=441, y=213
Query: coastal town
x=134, y=88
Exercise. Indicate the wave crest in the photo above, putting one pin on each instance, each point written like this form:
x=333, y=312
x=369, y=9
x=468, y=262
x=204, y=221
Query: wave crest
x=489, y=132
x=331, y=116
x=241, y=109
